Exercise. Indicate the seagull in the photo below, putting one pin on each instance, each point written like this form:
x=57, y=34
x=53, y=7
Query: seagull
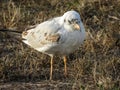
x=58, y=36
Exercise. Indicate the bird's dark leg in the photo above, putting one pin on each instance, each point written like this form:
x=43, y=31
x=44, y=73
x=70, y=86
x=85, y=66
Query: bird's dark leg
x=51, y=67
x=65, y=66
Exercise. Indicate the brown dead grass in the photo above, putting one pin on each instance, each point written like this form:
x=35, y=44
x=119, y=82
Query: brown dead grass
x=95, y=66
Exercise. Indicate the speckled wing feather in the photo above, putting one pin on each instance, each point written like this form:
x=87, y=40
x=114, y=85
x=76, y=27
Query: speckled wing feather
x=42, y=34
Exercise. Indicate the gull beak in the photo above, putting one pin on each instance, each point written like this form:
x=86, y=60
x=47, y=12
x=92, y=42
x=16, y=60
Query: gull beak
x=76, y=26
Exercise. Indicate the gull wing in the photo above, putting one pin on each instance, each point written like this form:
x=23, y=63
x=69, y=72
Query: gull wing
x=43, y=34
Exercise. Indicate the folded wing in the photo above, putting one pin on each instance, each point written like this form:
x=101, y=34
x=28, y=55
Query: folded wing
x=43, y=34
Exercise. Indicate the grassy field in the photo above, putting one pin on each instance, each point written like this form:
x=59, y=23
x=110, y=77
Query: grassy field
x=94, y=66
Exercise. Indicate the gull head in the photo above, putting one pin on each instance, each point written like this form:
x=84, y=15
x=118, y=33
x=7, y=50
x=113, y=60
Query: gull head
x=72, y=20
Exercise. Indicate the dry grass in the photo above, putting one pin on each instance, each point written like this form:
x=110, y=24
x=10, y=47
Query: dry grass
x=95, y=66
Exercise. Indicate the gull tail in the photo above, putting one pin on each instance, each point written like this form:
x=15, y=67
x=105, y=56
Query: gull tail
x=10, y=30
x=7, y=33
x=14, y=34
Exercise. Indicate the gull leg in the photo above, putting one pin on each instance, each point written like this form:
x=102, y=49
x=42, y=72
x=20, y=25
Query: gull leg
x=65, y=66
x=51, y=67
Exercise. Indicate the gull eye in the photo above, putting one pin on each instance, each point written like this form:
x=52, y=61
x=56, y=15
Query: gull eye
x=69, y=22
x=64, y=20
x=73, y=20
x=78, y=21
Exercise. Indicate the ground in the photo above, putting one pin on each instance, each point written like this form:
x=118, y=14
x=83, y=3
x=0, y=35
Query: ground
x=94, y=66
